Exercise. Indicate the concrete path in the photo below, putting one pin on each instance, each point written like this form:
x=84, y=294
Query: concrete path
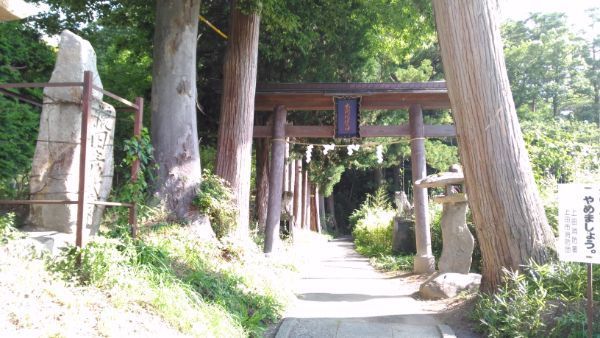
x=341, y=295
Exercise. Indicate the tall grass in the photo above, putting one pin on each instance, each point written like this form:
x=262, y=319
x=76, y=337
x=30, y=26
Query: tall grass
x=544, y=300
x=220, y=289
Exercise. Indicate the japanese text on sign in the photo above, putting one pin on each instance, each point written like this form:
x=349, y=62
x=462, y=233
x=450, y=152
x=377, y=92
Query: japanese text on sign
x=579, y=206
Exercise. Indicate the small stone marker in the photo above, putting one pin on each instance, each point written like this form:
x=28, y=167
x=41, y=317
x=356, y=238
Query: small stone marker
x=457, y=240
x=55, y=168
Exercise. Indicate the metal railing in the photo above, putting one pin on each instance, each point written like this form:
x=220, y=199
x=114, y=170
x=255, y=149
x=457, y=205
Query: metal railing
x=86, y=99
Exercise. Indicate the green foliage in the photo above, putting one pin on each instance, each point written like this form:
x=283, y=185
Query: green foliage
x=373, y=223
x=138, y=148
x=440, y=156
x=326, y=177
x=540, y=301
x=7, y=228
x=23, y=58
x=392, y=263
x=215, y=199
x=562, y=75
x=100, y=261
x=202, y=289
x=561, y=148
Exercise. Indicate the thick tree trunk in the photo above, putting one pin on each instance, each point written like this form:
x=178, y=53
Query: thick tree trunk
x=174, y=133
x=234, y=149
x=509, y=217
x=263, y=149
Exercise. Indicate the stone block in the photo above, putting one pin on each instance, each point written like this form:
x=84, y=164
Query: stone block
x=448, y=285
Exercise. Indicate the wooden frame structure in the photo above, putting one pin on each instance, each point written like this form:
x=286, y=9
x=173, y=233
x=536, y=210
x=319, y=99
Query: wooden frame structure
x=415, y=96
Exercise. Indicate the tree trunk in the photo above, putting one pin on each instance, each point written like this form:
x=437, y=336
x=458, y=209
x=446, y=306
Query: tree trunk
x=263, y=149
x=322, y=217
x=509, y=217
x=331, y=211
x=234, y=148
x=298, y=183
x=306, y=202
x=174, y=133
x=378, y=176
x=317, y=210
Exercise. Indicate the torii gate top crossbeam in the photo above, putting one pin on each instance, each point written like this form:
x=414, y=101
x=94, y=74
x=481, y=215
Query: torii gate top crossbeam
x=319, y=96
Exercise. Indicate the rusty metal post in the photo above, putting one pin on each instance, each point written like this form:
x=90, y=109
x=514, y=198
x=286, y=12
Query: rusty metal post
x=424, y=260
x=135, y=167
x=275, y=179
x=590, y=301
x=86, y=112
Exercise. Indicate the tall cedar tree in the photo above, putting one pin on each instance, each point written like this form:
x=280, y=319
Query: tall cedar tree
x=509, y=218
x=234, y=149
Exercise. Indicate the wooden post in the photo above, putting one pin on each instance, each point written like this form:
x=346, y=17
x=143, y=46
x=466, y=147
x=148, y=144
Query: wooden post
x=322, y=218
x=315, y=206
x=305, y=201
x=135, y=167
x=86, y=112
x=298, y=194
x=424, y=260
x=286, y=156
x=275, y=179
x=263, y=149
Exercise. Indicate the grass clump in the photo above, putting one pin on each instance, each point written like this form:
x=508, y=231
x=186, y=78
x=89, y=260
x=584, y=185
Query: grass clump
x=216, y=200
x=373, y=226
x=541, y=300
x=214, y=289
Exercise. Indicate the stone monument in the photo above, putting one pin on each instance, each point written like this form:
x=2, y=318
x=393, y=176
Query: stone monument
x=55, y=168
x=403, y=234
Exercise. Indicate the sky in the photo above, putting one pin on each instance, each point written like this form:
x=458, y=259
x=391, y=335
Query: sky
x=575, y=10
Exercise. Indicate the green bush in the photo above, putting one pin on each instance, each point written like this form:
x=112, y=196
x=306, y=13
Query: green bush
x=392, y=263
x=373, y=225
x=215, y=199
x=7, y=228
x=542, y=300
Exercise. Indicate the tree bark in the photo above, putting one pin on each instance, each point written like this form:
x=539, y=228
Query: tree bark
x=174, y=133
x=331, y=211
x=234, y=148
x=263, y=149
x=322, y=218
x=510, y=221
x=306, y=201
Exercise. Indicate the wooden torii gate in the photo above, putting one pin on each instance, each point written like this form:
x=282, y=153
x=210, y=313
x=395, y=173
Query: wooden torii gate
x=281, y=98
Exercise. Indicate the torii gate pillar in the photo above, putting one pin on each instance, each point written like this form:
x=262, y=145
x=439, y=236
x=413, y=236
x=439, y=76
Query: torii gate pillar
x=424, y=261
x=275, y=179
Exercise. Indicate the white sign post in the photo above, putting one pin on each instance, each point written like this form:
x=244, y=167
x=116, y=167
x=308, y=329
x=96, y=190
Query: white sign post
x=579, y=230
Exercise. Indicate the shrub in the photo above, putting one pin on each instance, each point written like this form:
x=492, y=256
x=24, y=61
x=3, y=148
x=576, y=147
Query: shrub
x=215, y=199
x=542, y=300
x=373, y=223
x=7, y=228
